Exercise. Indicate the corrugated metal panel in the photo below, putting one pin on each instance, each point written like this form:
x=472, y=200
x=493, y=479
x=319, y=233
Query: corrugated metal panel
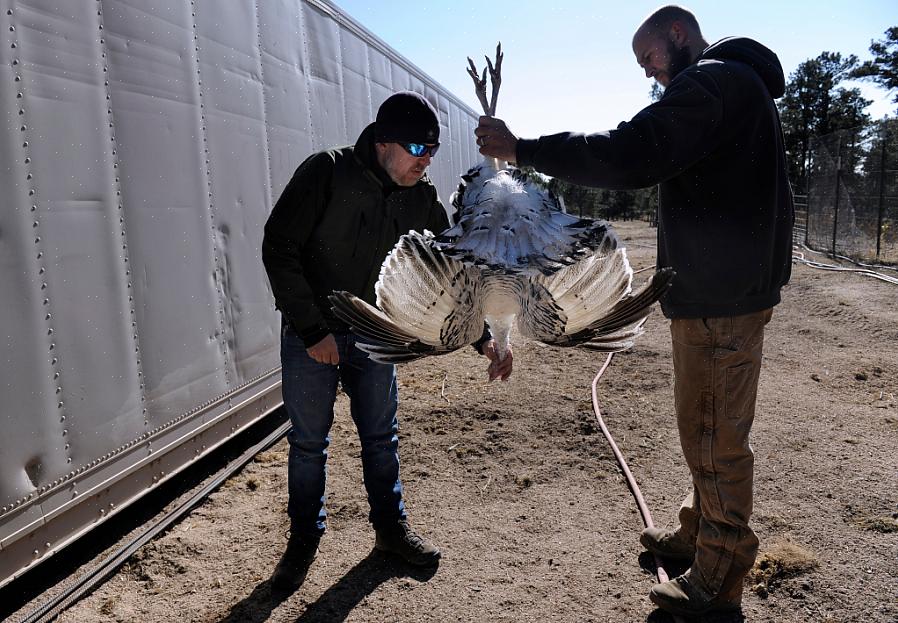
x=144, y=146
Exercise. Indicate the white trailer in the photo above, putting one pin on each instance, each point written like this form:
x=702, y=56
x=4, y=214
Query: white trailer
x=144, y=146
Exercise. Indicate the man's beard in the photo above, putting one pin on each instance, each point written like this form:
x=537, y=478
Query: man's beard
x=680, y=59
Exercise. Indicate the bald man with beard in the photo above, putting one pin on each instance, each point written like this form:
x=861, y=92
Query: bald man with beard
x=713, y=143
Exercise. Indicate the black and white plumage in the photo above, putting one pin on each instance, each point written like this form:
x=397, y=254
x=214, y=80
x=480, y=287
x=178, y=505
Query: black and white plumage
x=512, y=257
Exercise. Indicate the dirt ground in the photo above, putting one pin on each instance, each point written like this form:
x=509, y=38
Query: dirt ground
x=517, y=485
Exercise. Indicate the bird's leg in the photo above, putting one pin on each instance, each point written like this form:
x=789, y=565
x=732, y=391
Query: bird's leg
x=479, y=79
x=479, y=85
x=495, y=78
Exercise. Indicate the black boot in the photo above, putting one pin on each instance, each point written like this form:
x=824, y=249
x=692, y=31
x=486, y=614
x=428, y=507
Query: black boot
x=399, y=539
x=294, y=564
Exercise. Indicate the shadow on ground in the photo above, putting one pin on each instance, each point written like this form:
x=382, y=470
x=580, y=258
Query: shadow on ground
x=338, y=601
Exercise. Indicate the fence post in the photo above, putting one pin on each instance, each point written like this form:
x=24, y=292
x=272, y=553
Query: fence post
x=807, y=181
x=838, y=185
x=882, y=183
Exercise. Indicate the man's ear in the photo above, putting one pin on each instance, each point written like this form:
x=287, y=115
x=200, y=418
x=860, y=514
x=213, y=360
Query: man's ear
x=678, y=34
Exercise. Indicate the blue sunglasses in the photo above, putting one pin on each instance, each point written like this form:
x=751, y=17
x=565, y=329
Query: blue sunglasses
x=419, y=150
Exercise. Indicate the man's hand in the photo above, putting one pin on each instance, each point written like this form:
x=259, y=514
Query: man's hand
x=325, y=351
x=497, y=369
x=495, y=139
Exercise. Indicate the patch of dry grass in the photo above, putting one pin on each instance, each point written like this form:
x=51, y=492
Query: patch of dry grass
x=784, y=560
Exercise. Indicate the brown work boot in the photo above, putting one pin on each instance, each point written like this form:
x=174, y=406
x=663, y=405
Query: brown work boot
x=294, y=564
x=678, y=596
x=401, y=540
x=667, y=544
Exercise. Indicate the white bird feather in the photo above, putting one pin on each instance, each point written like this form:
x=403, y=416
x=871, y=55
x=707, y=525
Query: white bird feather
x=513, y=256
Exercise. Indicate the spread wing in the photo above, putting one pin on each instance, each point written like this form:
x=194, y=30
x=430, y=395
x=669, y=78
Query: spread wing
x=427, y=304
x=590, y=303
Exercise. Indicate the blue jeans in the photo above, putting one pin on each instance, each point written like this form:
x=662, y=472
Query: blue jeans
x=310, y=389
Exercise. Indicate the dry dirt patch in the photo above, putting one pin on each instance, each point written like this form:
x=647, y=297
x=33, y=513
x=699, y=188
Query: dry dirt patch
x=516, y=484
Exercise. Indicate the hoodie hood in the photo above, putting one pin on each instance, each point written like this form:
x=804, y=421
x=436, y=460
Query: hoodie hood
x=750, y=52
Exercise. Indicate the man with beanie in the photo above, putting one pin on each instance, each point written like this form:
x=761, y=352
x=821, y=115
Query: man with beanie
x=713, y=142
x=331, y=229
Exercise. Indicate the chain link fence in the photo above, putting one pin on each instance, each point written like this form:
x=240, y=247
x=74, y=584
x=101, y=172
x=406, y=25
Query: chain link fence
x=851, y=208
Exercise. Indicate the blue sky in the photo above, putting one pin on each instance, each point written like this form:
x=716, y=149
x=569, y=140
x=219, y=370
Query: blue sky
x=568, y=64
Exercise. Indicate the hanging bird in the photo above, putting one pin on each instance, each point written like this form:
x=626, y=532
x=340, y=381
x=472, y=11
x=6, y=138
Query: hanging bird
x=513, y=256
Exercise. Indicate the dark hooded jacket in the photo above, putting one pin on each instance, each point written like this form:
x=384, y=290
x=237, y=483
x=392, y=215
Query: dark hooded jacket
x=714, y=144
x=332, y=228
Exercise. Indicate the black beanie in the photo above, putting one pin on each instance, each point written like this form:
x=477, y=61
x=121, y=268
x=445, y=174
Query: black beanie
x=406, y=117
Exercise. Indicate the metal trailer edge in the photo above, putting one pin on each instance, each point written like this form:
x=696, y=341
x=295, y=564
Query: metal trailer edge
x=143, y=149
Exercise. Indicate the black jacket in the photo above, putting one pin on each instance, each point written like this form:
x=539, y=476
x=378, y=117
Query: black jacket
x=332, y=228
x=714, y=144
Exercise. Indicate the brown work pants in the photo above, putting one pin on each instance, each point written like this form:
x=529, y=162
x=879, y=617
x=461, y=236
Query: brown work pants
x=716, y=366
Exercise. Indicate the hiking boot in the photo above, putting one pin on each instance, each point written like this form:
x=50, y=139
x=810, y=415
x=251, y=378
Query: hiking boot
x=294, y=564
x=401, y=540
x=678, y=596
x=667, y=544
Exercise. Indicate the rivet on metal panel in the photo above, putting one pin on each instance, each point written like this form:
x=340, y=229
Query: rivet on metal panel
x=13, y=46
x=67, y=446
x=23, y=128
x=47, y=545
x=31, y=193
x=15, y=61
x=102, y=511
x=12, y=29
x=36, y=553
x=101, y=26
x=55, y=360
x=49, y=331
x=43, y=286
x=55, y=374
x=65, y=432
x=59, y=405
x=62, y=418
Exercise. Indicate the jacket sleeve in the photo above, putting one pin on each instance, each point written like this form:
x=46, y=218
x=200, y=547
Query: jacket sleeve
x=437, y=221
x=287, y=231
x=660, y=142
